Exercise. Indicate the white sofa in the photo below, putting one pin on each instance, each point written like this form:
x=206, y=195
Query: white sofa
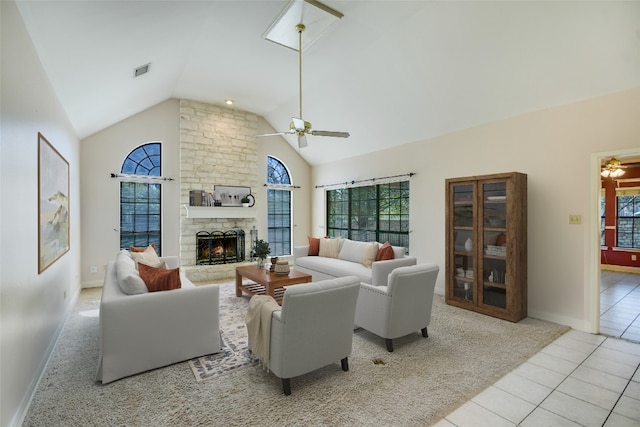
x=149, y=330
x=348, y=263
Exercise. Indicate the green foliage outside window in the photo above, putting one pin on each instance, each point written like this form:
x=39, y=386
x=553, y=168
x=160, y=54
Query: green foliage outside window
x=370, y=213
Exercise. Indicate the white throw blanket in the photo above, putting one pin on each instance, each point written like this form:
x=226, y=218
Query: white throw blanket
x=258, y=322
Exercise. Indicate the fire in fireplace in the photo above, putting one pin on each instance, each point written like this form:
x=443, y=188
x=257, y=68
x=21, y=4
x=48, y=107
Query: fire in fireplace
x=219, y=247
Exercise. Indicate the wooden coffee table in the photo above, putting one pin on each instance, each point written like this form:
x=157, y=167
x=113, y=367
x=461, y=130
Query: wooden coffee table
x=266, y=282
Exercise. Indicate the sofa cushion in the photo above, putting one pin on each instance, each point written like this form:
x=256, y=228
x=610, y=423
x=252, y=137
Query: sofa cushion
x=314, y=246
x=159, y=279
x=136, y=249
x=369, y=255
x=385, y=252
x=329, y=248
x=148, y=257
x=352, y=251
x=335, y=267
x=399, y=251
x=128, y=277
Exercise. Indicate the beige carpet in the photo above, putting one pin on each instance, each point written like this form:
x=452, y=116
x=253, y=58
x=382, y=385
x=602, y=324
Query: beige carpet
x=420, y=382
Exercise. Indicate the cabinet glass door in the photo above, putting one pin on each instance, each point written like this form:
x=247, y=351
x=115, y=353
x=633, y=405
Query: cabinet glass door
x=494, y=244
x=464, y=235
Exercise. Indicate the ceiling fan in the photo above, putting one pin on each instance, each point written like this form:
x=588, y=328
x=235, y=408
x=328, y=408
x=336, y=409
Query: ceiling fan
x=612, y=168
x=298, y=126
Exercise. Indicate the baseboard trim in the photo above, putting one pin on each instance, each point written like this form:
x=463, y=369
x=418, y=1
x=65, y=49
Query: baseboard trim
x=620, y=268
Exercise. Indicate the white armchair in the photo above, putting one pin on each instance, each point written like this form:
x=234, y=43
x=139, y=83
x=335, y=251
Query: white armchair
x=401, y=307
x=314, y=328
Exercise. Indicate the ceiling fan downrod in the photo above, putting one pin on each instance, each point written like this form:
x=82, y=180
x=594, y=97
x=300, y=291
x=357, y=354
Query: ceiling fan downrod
x=300, y=28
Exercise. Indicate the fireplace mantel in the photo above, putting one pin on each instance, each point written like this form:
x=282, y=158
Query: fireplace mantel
x=219, y=212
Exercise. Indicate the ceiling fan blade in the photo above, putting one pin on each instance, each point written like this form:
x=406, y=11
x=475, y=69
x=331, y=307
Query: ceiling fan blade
x=275, y=134
x=330, y=133
x=302, y=140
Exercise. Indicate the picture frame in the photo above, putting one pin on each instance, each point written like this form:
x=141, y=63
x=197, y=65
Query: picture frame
x=230, y=195
x=53, y=204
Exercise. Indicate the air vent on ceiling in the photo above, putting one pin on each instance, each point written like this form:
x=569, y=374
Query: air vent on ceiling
x=141, y=70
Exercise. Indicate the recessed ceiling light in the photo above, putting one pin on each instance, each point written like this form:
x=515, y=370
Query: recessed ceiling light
x=143, y=69
x=228, y=101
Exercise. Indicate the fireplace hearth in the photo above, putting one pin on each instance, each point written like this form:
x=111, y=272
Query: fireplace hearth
x=219, y=247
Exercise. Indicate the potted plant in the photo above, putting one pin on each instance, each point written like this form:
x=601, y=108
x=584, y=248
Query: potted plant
x=262, y=250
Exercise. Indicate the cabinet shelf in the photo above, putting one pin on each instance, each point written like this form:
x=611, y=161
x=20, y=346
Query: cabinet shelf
x=493, y=209
x=495, y=285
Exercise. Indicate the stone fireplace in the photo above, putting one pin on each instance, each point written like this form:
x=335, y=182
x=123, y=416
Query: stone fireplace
x=220, y=247
x=217, y=147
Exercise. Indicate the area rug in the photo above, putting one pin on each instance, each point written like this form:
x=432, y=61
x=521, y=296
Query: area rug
x=422, y=381
x=235, y=351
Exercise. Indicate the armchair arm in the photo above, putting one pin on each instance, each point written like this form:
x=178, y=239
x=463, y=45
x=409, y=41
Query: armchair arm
x=380, y=270
x=372, y=308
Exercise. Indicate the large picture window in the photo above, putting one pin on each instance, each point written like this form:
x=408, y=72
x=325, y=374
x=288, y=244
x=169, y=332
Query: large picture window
x=370, y=213
x=140, y=202
x=278, y=207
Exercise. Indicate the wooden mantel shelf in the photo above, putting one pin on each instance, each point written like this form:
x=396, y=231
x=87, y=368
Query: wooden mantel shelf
x=219, y=212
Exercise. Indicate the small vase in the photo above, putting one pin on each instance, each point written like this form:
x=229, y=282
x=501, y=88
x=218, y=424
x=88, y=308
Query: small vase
x=468, y=245
x=261, y=263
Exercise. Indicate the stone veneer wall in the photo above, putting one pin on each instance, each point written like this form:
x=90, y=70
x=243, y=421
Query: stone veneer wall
x=217, y=147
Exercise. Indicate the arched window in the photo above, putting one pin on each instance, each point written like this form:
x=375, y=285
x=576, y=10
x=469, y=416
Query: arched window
x=140, y=201
x=278, y=207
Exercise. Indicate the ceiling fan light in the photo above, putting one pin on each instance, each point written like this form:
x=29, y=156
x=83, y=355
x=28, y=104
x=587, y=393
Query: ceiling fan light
x=302, y=140
x=616, y=173
x=612, y=168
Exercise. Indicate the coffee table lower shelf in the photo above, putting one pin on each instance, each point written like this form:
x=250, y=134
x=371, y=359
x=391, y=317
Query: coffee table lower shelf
x=264, y=282
x=258, y=289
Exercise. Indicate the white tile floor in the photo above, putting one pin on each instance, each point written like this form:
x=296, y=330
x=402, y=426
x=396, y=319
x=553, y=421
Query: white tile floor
x=580, y=379
x=620, y=305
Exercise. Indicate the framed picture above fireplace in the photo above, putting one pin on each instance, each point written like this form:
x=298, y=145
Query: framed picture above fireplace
x=229, y=195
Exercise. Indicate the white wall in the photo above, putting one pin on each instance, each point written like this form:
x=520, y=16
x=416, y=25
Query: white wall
x=102, y=154
x=554, y=148
x=33, y=306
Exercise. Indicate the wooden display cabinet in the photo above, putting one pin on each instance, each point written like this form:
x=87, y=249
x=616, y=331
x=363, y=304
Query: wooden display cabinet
x=486, y=244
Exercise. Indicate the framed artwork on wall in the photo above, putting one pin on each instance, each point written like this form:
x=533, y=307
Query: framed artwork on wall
x=229, y=195
x=53, y=204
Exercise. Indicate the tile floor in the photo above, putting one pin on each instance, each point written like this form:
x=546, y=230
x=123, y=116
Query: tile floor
x=620, y=305
x=580, y=379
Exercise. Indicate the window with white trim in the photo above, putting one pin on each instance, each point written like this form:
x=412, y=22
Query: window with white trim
x=140, y=201
x=279, y=201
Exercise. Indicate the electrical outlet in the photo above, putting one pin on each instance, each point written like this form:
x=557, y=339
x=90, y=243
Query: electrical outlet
x=633, y=257
x=575, y=219
x=94, y=269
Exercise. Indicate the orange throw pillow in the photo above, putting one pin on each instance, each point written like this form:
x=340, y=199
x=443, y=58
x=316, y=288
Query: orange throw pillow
x=385, y=252
x=314, y=246
x=159, y=279
x=134, y=249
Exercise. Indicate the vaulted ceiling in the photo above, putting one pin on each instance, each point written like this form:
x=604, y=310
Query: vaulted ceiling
x=389, y=72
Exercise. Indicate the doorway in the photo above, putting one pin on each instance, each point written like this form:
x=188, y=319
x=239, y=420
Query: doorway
x=615, y=297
